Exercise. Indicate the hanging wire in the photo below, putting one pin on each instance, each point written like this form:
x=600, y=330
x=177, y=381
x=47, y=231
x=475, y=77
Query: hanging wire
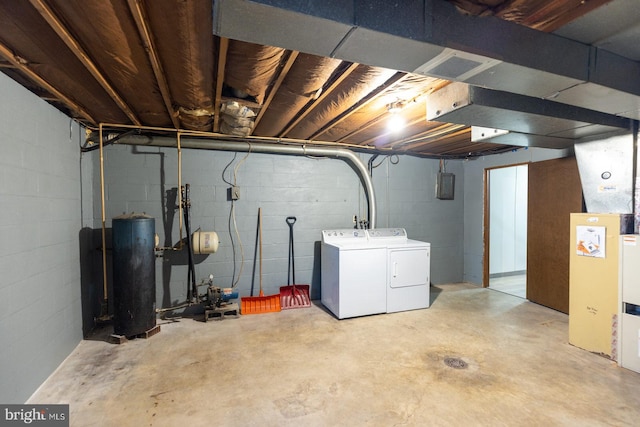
x=235, y=225
x=231, y=216
x=393, y=159
x=235, y=154
x=232, y=223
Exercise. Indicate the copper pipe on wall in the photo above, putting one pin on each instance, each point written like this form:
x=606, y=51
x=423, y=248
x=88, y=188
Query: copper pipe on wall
x=105, y=294
x=179, y=187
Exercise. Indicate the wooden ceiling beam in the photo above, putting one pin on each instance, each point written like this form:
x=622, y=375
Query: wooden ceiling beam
x=376, y=121
x=549, y=16
x=449, y=140
x=22, y=65
x=371, y=96
x=384, y=116
x=222, y=63
x=364, y=127
x=442, y=132
x=45, y=11
x=325, y=93
x=140, y=18
x=274, y=88
x=434, y=131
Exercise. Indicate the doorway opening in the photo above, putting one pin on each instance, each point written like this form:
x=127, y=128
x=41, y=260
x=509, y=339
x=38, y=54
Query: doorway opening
x=506, y=199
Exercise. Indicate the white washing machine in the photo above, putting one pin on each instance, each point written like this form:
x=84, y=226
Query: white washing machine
x=354, y=274
x=408, y=269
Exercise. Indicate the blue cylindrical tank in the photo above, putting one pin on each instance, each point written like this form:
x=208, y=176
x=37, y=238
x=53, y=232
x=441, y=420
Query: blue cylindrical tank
x=134, y=274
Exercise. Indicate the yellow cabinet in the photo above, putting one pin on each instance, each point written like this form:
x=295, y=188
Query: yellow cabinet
x=594, y=265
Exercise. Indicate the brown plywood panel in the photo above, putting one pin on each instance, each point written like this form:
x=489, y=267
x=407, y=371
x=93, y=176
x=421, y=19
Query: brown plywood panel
x=554, y=193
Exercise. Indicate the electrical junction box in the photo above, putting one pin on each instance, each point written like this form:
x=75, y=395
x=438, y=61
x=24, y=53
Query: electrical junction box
x=445, y=185
x=233, y=193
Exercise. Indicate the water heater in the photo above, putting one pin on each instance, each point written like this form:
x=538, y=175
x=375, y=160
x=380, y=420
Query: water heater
x=134, y=274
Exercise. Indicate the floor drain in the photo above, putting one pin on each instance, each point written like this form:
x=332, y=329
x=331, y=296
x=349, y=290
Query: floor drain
x=455, y=363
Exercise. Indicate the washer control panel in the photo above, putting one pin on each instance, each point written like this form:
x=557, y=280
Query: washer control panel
x=344, y=235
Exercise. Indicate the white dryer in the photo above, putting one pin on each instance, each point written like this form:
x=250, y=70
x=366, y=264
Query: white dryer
x=408, y=269
x=354, y=273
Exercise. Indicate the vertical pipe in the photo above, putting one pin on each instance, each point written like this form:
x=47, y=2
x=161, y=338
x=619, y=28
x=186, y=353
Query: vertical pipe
x=260, y=239
x=635, y=189
x=103, y=217
x=179, y=186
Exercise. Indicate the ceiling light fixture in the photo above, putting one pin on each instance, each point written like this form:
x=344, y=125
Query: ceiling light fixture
x=396, y=123
x=395, y=107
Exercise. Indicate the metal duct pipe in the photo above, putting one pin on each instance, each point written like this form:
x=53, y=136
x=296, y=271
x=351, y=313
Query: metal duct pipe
x=258, y=147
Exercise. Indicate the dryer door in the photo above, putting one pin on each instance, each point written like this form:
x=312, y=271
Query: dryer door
x=408, y=279
x=408, y=267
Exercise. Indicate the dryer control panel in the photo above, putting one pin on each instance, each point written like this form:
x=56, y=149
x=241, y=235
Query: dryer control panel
x=395, y=235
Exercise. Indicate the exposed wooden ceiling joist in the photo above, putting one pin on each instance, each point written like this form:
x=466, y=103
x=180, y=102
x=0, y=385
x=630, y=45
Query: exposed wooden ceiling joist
x=440, y=132
x=164, y=65
x=276, y=85
x=49, y=16
x=139, y=17
x=459, y=136
x=388, y=85
x=379, y=119
x=222, y=62
x=35, y=77
x=397, y=77
x=326, y=92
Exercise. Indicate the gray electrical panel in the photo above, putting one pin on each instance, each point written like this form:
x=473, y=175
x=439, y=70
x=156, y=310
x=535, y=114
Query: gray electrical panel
x=445, y=185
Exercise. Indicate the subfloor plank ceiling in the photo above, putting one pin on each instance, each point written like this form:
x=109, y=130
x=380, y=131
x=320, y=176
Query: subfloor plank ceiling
x=158, y=65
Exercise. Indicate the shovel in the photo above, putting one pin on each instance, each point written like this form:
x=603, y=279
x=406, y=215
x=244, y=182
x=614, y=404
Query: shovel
x=262, y=303
x=292, y=295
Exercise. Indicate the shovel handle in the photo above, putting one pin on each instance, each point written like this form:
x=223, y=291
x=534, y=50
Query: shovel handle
x=291, y=270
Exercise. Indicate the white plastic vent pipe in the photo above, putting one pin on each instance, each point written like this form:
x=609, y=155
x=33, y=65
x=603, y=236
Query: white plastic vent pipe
x=260, y=147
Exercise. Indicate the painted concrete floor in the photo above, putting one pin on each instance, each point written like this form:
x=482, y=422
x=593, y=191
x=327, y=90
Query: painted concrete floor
x=513, y=285
x=303, y=367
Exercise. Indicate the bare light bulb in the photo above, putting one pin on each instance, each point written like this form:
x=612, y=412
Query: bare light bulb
x=396, y=123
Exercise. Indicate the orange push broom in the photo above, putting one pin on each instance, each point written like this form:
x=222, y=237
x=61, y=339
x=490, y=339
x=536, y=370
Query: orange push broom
x=262, y=303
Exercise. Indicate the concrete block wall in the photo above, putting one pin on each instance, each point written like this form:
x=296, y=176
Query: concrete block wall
x=320, y=193
x=406, y=198
x=40, y=221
